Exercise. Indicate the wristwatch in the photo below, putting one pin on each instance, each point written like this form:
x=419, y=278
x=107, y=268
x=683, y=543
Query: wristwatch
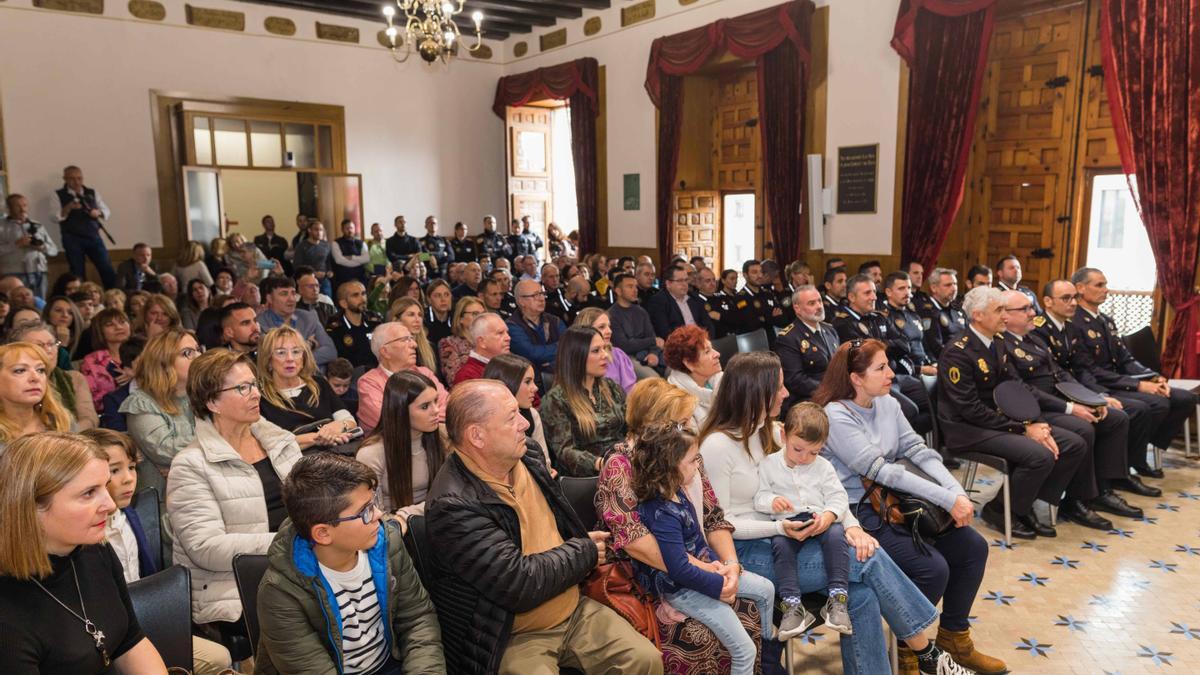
x=734, y=562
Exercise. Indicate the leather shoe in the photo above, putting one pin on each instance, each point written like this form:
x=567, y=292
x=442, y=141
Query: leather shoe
x=1146, y=472
x=1040, y=528
x=995, y=519
x=1111, y=502
x=1077, y=512
x=1136, y=486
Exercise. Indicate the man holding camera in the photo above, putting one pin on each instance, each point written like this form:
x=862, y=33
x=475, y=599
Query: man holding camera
x=24, y=246
x=79, y=210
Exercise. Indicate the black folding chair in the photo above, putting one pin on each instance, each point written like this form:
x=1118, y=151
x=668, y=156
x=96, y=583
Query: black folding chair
x=146, y=505
x=1144, y=347
x=726, y=347
x=753, y=342
x=248, y=571
x=162, y=603
x=581, y=493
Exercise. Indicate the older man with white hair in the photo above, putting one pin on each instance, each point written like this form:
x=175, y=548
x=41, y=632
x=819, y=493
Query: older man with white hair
x=396, y=349
x=489, y=339
x=1042, y=458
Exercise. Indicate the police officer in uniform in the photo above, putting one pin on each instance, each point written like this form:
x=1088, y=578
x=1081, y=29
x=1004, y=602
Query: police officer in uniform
x=1054, y=328
x=905, y=333
x=401, y=246
x=757, y=303
x=532, y=239
x=805, y=346
x=1116, y=368
x=916, y=277
x=518, y=243
x=858, y=320
x=941, y=317
x=491, y=243
x=835, y=290
x=463, y=247
x=440, y=253
x=1104, y=428
x=351, y=328
x=721, y=308
x=1042, y=459
x=1008, y=278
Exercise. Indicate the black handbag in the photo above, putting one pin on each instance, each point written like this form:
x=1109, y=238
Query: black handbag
x=916, y=515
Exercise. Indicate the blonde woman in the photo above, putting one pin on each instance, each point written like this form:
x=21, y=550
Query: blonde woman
x=456, y=349
x=410, y=313
x=157, y=413
x=114, y=298
x=621, y=368
x=70, y=387
x=158, y=316
x=190, y=265
x=27, y=405
x=53, y=556
x=584, y=413
x=218, y=256
x=294, y=394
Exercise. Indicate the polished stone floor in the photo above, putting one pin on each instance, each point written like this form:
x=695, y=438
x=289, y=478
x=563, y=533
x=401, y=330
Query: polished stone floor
x=1125, y=601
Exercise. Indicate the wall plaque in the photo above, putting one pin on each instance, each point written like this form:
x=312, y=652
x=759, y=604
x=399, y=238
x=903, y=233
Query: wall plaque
x=328, y=31
x=215, y=18
x=82, y=6
x=553, y=39
x=636, y=13
x=592, y=26
x=858, y=171
x=484, y=52
x=633, y=191
x=520, y=49
x=148, y=10
x=278, y=25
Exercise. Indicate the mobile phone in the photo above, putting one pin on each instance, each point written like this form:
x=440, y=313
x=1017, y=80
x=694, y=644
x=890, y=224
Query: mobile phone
x=425, y=257
x=266, y=264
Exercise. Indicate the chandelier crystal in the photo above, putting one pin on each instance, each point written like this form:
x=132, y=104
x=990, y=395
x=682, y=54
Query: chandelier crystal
x=427, y=26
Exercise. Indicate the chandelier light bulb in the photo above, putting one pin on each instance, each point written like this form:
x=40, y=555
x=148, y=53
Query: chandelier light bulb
x=449, y=37
x=389, y=11
x=477, y=17
x=391, y=32
x=447, y=9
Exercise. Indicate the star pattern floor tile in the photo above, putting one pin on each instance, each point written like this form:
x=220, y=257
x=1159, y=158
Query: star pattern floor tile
x=1087, y=602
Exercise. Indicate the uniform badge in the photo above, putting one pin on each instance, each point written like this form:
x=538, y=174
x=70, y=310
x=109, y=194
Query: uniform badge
x=804, y=345
x=757, y=304
x=348, y=341
x=926, y=323
x=1019, y=352
x=983, y=367
x=1093, y=334
x=954, y=375
x=707, y=307
x=862, y=327
x=741, y=304
x=944, y=320
x=1039, y=321
x=899, y=323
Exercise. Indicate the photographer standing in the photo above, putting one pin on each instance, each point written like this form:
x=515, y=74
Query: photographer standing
x=78, y=211
x=24, y=246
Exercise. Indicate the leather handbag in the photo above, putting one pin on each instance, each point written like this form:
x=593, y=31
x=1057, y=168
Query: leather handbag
x=916, y=515
x=613, y=586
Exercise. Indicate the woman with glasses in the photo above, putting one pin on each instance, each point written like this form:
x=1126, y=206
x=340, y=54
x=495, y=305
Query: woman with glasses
x=69, y=386
x=411, y=313
x=409, y=445
x=224, y=494
x=156, y=412
x=103, y=368
x=295, y=395
x=27, y=405
x=456, y=349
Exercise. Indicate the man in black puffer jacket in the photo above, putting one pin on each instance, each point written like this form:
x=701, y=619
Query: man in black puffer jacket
x=510, y=554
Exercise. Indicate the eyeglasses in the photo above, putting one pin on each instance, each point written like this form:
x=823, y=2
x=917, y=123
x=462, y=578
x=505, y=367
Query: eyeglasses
x=367, y=515
x=284, y=353
x=49, y=346
x=540, y=294
x=1067, y=298
x=406, y=338
x=242, y=389
x=1022, y=309
x=189, y=353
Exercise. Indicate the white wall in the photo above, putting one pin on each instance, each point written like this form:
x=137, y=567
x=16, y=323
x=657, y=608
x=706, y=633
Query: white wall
x=76, y=90
x=862, y=103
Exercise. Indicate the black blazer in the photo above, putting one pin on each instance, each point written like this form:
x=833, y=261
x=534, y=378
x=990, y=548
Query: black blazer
x=666, y=316
x=127, y=277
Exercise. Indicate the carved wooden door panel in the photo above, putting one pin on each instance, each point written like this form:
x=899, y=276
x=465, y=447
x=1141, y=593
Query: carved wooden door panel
x=530, y=167
x=697, y=217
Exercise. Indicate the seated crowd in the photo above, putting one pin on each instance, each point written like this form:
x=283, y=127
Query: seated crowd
x=402, y=427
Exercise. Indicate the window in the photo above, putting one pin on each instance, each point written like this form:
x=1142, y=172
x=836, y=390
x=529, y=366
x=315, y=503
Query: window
x=260, y=143
x=1117, y=240
x=738, y=229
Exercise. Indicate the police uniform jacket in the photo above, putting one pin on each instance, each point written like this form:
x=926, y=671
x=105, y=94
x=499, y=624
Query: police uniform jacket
x=557, y=303
x=465, y=250
x=354, y=342
x=850, y=325
x=722, y=311
x=400, y=247
x=805, y=355
x=438, y=249
x=1035, y=365
x=968, y=374
x=1115, y=367
x=756, y=313
x=907, y=339
x=1067, y=351
x=494, y=245
x=941, y=325
x=519, y=244
x=831, y=306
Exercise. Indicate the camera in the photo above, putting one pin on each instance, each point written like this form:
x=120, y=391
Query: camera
x=34, y=239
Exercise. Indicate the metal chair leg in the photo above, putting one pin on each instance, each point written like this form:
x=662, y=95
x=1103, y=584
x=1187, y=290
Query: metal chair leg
x=1007, y=512
x=893, y=651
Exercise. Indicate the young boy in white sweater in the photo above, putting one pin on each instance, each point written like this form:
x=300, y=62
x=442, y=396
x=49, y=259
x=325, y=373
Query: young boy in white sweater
x=798, y=484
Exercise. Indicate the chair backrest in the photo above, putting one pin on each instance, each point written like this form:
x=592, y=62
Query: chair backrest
x=416, y=540
x=162, y=603
x=753, y=342
x=1144, y=347
x=146, y=505
x=547, y=382
x=248, y=571
x=726, y=347
x=581, y=493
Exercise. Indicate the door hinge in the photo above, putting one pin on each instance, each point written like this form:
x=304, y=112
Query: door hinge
x=1056, y=82
x=1096, y=70
x=1063, y=219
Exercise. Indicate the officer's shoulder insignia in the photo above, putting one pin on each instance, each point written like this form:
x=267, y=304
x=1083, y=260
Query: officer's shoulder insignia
x=983, y=366
x=1087, y=318
x=862, y=326
x=840, y=315
x=926, y=323
x=1039, y=321
x=962, y=342
x=998, y=337
x=714, y=316
x=944, y=320
x=786, y=329
x=741, y=304
x=954, y=374
x=883, y=311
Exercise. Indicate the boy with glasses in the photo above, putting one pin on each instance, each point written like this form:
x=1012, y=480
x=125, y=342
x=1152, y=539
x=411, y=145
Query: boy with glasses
x=340, y=592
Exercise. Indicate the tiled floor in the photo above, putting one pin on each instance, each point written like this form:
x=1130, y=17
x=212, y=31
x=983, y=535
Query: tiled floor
x=1127, y=601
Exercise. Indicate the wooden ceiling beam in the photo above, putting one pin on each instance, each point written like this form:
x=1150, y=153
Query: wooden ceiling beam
x=527, y=7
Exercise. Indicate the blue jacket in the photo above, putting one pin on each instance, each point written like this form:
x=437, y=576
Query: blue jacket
x=531, y=342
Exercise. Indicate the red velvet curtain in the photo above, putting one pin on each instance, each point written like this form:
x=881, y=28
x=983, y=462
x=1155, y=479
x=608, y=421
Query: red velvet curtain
x=1151, y=52
x=945, y=44
x=782, y=83
x=577, y=82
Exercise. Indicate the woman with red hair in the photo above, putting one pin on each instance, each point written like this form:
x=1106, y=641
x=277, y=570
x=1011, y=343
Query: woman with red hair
x=695, y=367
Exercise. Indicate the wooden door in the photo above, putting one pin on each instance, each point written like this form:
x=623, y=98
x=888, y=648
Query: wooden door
x=737, y=151
x=529, y=160
x=1020, y=189
x=697, y=217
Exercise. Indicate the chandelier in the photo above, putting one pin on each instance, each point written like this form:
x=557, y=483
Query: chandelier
x=428, y=25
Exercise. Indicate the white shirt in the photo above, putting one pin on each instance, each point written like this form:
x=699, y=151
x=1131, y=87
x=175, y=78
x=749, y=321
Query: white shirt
x=733, y=475
x=688, y=319
x=124, y=544
x=811, y=488
x=364, y=648
x=987, y=341
x=56, y=206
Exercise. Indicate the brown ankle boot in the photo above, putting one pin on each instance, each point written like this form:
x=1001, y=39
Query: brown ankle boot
x=907, y=661
x=959, y=645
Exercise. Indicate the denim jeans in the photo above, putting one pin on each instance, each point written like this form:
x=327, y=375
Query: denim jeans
x=834, y=552
x=723, y=621
x=79, y=248
x=876, y=587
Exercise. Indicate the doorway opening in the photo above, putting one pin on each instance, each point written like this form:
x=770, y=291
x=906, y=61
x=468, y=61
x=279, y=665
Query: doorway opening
x=541, y=168
x=739, y=231
x=1118, y=244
